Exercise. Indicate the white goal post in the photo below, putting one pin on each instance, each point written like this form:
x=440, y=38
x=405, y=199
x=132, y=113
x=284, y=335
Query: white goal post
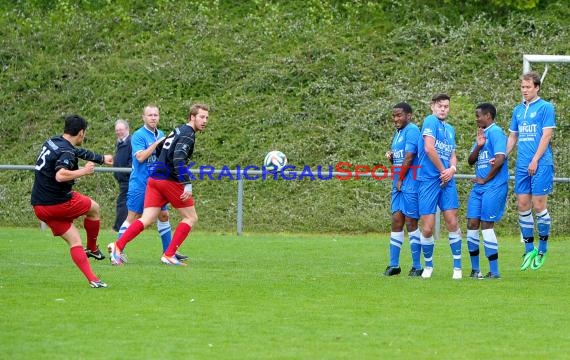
x=529, y=59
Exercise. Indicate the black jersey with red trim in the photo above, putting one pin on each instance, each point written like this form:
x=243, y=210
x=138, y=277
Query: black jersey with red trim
x=177, y=149
x=57, y=153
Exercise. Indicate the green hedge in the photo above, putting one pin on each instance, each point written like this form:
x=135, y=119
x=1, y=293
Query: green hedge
x=314, y=79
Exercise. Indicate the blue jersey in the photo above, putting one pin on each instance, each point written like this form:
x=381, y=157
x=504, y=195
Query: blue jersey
x=444, y=135
x=495, y=143
x=406, y=141
x=528, y=120
x=140, y=141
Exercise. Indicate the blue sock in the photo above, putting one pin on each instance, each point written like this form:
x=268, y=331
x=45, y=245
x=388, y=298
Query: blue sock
x=124, y=226
x=473, y=247
x=543, y=224
x=455, y=245
x=427, y=248
x=416, y=248
x=491, y=250
x=165, y=232
x=396, y=241
x=526, y=223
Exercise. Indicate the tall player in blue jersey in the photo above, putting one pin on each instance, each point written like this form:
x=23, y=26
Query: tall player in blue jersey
x=404, y=190
x=437, y=162
x=144, y=142
x=532, y=127
x=488, y=196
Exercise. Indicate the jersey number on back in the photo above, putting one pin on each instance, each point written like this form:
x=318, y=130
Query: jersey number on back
x=40, y=163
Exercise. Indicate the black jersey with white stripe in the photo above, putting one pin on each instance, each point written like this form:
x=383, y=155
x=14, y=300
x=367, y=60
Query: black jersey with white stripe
x=177, y=149
x=57, y=153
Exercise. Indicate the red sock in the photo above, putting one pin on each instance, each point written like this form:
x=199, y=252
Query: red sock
x=136, y=228
x=80, y=259
x=92, y=230
x=180, y=234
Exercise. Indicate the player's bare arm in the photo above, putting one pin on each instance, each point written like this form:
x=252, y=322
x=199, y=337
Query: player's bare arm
x=542, y=146
x=429, y=147
x=512, y=141
x=447, y=174
x=408, y=160
x=143, y=155
x=480, y=142
x=64, y=175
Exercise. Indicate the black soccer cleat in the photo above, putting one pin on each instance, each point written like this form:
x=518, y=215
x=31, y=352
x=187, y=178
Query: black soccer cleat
x=97, y=284
x=476, y=274
x=392, y=270
x=415, y=272
x=97, y=254
x=181, y=257
x=490, y=275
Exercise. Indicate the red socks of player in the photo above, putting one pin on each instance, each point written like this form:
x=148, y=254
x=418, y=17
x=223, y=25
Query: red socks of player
x=136, y=228
x=80, y=259
x=92, y=230
x=180, y=234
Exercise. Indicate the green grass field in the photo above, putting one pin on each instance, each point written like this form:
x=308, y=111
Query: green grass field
x=275, y=296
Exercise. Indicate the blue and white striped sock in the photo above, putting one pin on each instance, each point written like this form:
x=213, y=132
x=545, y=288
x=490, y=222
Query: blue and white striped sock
x=473, y=247
x=165, y=231
x=396, y=241
x=427, y=248
x=526, y=223
x=491, y=250
x=455, y=245
x=416, y=248
x=543, y=224
x=124, y=226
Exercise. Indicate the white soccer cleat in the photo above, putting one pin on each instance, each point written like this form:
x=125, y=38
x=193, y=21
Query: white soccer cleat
x=457, y=274
x=115, y=254
x=426, y=274
x=171, y=260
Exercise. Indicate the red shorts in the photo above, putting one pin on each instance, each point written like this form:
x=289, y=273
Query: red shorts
x=60, y=217
x=161, y=192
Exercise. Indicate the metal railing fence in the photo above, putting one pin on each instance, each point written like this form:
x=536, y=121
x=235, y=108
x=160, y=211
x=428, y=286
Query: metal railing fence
x=240, y=179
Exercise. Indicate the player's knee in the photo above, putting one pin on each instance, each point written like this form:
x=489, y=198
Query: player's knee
x=192, y=219
x=539, y=206
x=163, y=216
x=452, y=226
x=472, y=224
x=411, y=224
x=95, y=209
x=427, y=232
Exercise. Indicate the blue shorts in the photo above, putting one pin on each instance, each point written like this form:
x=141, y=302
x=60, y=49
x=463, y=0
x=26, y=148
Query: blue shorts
x=406, y=203
x=135, y=201
x=433, y=195
x=539, y=184
x=487, y=204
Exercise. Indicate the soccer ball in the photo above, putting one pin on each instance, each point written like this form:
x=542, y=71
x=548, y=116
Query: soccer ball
x=275, y=160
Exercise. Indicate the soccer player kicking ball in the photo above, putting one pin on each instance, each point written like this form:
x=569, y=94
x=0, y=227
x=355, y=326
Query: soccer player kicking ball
x=404, y=190
x=57, y=205
x=488, y=195
x=169, y=183
x=532, y=126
